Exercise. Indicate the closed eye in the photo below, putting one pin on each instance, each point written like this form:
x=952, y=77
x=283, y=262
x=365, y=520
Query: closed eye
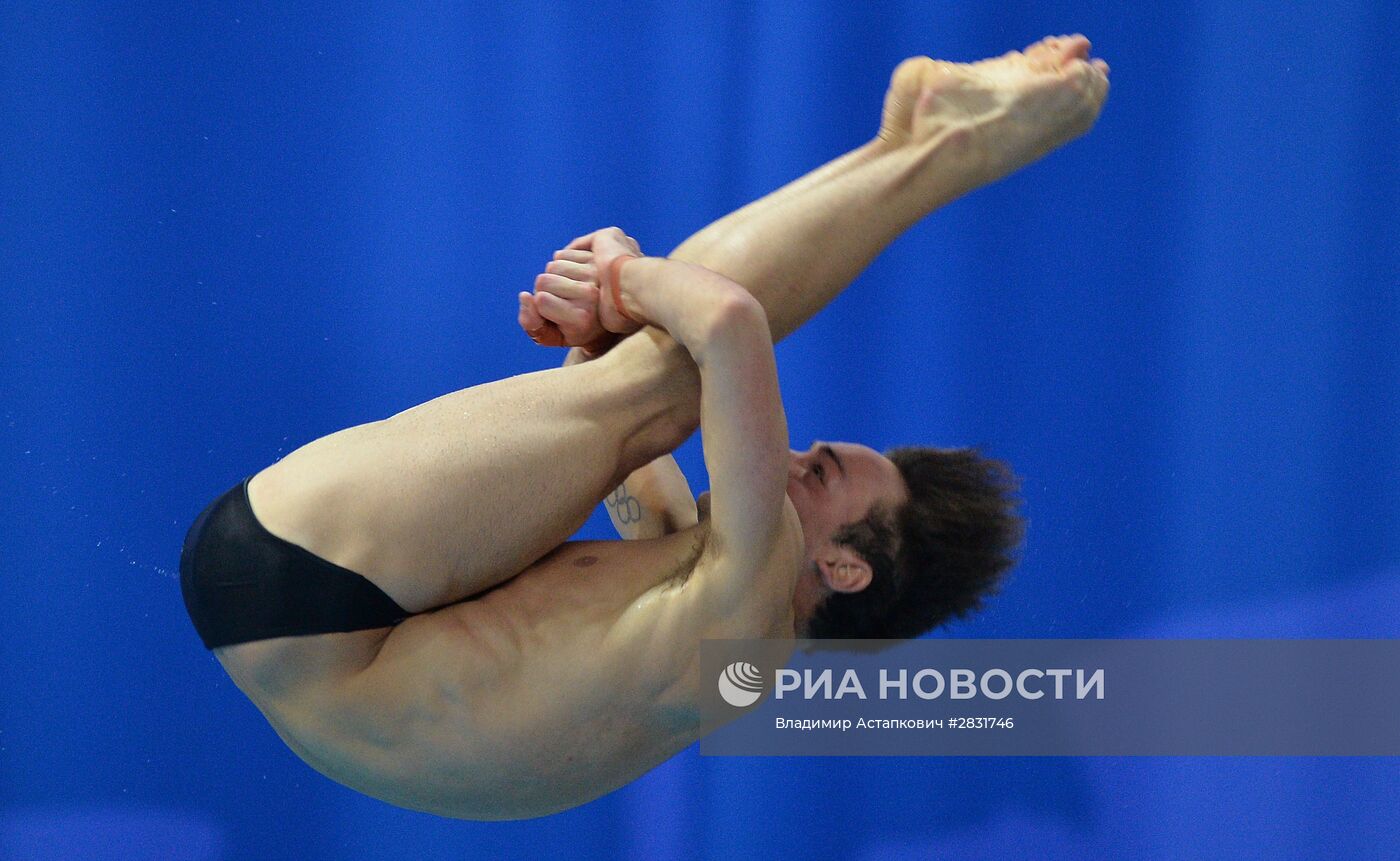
x=820, y=472
x=831, y=453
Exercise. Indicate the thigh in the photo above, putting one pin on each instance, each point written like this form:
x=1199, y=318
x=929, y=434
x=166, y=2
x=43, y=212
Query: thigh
x=454, y=496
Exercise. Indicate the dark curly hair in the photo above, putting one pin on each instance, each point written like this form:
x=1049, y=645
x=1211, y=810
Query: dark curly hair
x=934, y=558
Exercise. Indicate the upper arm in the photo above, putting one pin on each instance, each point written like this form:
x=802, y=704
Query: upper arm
x=745, y=440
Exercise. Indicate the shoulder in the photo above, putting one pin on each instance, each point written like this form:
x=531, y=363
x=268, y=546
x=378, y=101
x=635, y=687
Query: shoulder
x=787, y=540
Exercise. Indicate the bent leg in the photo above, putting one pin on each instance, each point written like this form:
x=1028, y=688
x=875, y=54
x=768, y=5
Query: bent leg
x=947, y=129
x=796, y=254
x=454, y=496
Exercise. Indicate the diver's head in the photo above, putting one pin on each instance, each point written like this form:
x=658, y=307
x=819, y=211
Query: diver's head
x=897, y=544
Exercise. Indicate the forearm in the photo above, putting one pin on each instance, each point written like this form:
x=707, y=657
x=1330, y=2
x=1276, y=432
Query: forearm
x=685, y=300
x=727, y=333
x=654, y=501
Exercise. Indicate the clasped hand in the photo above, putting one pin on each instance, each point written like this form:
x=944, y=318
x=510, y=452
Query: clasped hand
x=567, y=308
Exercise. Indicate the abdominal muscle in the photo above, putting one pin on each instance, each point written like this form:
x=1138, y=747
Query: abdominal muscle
x=523, y=701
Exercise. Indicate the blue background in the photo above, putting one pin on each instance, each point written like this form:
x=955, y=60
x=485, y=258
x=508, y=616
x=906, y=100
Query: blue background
x=227, y=229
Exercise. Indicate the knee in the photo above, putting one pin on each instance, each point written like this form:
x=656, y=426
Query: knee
x=659, y=437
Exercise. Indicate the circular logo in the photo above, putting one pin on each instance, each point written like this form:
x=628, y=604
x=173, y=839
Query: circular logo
x=741, y=684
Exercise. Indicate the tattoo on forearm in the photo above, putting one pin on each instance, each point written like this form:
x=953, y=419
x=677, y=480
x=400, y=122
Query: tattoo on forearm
x=624, y=506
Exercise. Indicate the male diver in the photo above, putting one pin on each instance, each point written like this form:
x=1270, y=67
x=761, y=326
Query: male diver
x=401, y=601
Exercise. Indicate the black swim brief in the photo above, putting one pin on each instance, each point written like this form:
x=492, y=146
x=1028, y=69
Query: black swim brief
x=242, y=583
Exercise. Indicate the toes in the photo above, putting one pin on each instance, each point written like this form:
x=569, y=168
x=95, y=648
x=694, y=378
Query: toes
x=1044, y=56
x=1054, y=52
x=1091, y=82
x=1048, y=45
x=1074, y=47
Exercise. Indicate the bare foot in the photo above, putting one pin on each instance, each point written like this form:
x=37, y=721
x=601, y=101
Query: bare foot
x=1001, y=113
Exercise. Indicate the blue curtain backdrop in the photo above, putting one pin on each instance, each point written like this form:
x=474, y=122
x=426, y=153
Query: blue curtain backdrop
x=228, y=229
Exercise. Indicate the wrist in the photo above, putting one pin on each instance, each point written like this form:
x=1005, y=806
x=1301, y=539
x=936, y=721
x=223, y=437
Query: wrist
x=615, y=279
x=614, y=312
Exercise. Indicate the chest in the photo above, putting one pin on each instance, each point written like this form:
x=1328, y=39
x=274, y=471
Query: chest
x=587, y=585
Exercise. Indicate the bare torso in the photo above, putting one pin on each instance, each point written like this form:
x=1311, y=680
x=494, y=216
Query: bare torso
x=561, y=684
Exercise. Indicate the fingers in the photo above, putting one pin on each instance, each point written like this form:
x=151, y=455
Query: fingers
x=610, y=243
x=529, y=318
x=581, y=243
x=577, y=271
x=571, y=306
x=564, y=288
x=578, y=325
x=540, y=330
x=564, y=307
x=585, y=243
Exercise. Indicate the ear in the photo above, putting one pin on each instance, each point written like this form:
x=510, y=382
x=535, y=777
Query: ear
x=843, y=569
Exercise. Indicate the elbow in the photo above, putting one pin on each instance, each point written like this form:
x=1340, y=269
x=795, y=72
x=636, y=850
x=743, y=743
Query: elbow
x=735, y=314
